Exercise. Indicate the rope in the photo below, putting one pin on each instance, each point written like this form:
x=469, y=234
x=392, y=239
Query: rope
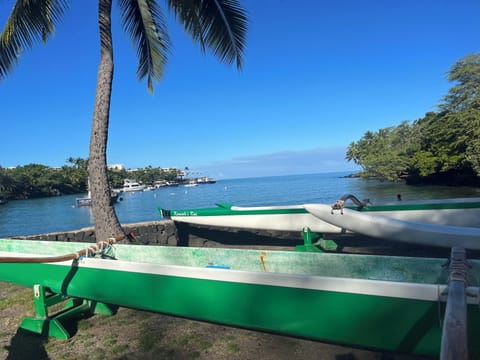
x=93, y=249
x=458, y=265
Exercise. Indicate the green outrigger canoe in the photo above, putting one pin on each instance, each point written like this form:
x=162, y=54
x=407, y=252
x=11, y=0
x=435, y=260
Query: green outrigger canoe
x=379, y=302
x=453, y=212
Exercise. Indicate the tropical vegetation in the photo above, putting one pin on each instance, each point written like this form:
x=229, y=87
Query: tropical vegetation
x=441, y=147
x=219, y=25
x=36, y=180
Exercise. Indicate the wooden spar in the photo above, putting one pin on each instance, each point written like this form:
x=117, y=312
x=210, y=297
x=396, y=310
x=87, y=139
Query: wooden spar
x=454, y=333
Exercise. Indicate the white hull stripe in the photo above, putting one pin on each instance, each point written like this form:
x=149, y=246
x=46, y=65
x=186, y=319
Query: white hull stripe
x=406, y=290
x=281, y=222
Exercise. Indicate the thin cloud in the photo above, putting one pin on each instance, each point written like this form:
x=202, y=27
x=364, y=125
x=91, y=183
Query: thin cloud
x=310, y=161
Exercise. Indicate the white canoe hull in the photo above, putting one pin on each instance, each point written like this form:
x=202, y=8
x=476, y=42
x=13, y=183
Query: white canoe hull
x=451, y=212
x=382, y=227
x=274, y=222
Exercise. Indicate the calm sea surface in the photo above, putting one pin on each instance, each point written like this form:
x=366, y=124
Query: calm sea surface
x=26, y=217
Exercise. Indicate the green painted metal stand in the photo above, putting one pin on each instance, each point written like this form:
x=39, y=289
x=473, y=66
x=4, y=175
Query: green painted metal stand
x=52, y=325
x=319, y=245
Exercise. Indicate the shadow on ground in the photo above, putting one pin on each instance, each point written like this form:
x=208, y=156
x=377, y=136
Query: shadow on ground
x=26, y=345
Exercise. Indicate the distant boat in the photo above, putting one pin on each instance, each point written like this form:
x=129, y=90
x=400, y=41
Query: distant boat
x=164, y=183
x=191, y=183
x=172, y=183
x=3, y=201
x=132, y=185
x=206, y=180
x=87, y=201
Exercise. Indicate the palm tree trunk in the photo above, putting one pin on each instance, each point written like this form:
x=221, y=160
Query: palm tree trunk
x=105, y=218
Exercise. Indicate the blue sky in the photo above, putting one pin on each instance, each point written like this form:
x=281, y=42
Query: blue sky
x=317, y=75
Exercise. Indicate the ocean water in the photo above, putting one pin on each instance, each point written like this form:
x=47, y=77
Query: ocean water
x=36, y=216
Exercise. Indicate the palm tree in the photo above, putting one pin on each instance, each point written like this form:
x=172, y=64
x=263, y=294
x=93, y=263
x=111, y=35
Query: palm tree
x=219, y=25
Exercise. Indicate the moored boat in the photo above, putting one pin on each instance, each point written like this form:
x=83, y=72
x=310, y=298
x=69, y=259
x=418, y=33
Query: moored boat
x=453, y=212
x=387, y=303
x=164, y=183
x=132, y=185
x=206, y=180
x=87, y=201
x=83, y=201
x=191, y=183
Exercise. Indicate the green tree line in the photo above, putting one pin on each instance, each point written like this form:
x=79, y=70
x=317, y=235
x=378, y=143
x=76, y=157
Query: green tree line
x=441, y=147
x=35, y=180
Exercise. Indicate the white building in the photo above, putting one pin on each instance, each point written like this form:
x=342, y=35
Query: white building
x=116, y=167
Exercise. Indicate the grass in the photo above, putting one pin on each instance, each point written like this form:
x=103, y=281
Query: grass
x=17, y=296
x=147, y=341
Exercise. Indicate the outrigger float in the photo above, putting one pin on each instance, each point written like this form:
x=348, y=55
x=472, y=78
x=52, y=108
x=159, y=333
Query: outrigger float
x=398, y=304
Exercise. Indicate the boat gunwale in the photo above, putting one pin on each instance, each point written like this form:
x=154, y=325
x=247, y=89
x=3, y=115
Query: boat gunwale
x=421, y=205
x=359, y=286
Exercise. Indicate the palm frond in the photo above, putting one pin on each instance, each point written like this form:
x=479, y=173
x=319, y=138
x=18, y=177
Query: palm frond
x=29, y=21
x=220, y=25
x=144, y=22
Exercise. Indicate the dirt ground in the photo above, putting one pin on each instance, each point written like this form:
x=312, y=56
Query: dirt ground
x=133, y=334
